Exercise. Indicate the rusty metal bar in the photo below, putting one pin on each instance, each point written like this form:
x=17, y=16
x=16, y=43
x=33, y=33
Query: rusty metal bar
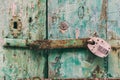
x=52, y=44
x=46, y=44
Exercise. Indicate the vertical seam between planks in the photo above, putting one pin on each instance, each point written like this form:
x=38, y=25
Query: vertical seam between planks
x=46, y=51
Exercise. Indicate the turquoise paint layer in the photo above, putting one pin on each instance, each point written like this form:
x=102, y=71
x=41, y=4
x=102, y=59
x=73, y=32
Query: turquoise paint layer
x=114, y=34
x=19, y=63
x=84, y=16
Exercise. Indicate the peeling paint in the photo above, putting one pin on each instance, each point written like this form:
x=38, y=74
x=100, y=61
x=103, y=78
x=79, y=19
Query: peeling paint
x=17, y=63
x=90, y=17
x=86, y=16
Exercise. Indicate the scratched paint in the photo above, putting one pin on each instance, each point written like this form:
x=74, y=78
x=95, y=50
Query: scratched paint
x=114, y=34
x=17, y=63
x=113, y=19
x=95, y=18
x=69, y=12
x=83, y=16
x=76, y=63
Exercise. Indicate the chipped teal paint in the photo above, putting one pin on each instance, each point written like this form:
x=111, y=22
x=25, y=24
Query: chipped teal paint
x=72, y=63
x=114, y=33
x=24, y=64
x=113, y=20
x=75, y=63
x=19, y=63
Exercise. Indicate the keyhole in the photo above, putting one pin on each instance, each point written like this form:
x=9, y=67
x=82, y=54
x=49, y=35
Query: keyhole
x=30, y=19
x=15, y=25
x=63, y=27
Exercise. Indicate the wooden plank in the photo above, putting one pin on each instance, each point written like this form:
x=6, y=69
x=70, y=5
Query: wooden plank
x=70, y=19
x=103, y=31
x=22, y=63
x=46, y=44
x=53, y=44
x=114, y=35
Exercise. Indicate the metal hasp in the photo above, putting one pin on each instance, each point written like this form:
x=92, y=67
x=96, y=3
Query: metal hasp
x=54, y=44
x=46, y=44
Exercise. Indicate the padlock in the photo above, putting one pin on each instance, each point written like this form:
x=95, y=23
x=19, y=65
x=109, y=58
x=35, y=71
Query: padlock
x=98, y=47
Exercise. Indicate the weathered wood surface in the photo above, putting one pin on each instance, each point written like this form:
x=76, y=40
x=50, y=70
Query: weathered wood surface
x=114, y=34
x=54, y=44
x=22, y=63
x=75, y=19
x=67, y=19
x=102, y=22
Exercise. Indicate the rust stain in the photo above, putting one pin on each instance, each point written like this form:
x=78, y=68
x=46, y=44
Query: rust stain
x=103, y=19
x=53, y=44
x=64, y=26
x=97, y=71
x=2, y=33
x=104, y=10
x=115, y=48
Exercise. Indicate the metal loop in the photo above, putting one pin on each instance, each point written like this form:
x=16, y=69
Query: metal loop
x=92, y=42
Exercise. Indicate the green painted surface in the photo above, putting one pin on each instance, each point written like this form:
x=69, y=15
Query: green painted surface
x=114, y=34
x=20, y=63
x=83, y=19
x=77, y=63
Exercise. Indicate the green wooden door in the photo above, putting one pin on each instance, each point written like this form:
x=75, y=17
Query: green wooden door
x=20, y=63
x=58, y=20
x=81, y=19
x=84, y=18
x=113, y=34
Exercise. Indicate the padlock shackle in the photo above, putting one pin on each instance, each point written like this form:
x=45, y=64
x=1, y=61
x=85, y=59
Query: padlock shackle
x=91, y=42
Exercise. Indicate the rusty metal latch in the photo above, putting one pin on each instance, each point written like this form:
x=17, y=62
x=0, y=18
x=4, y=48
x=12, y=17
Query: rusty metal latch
x=56, y=44
x=52, y=44
x=46, y=44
